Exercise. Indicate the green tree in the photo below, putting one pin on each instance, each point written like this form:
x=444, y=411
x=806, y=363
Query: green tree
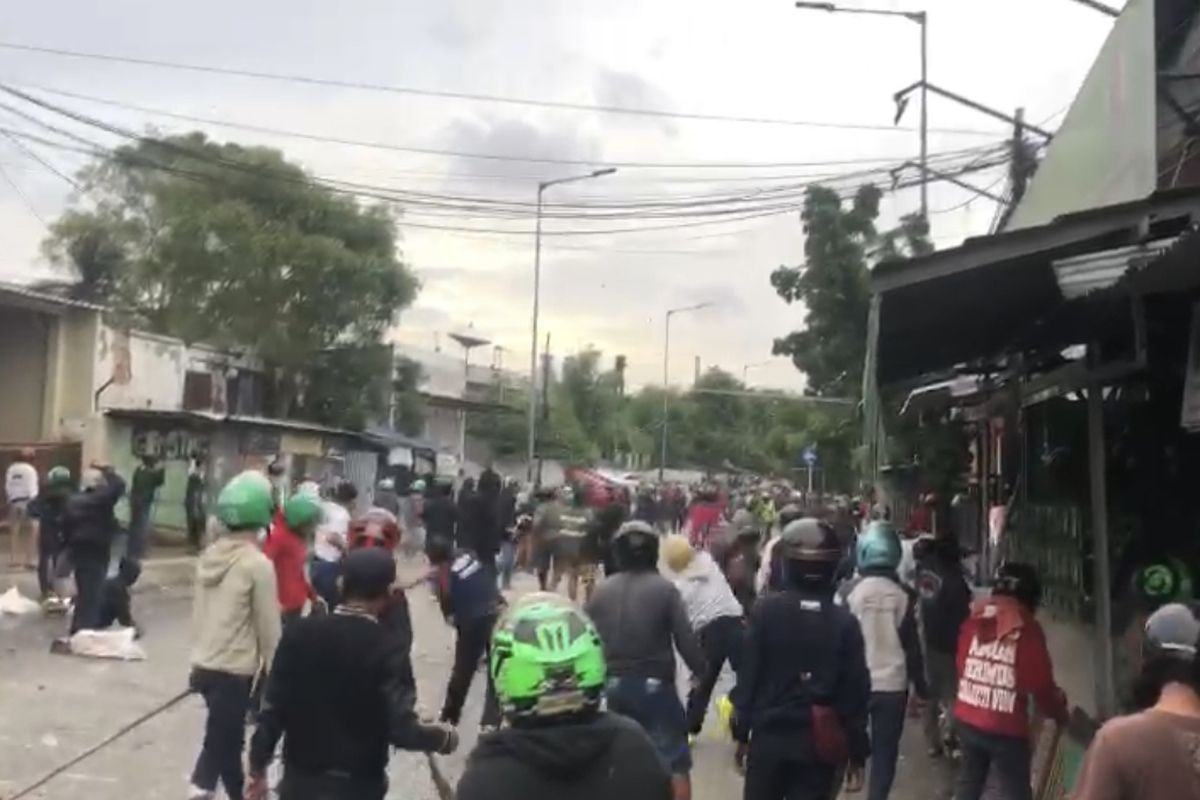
x=236, y=246
x=841, y=243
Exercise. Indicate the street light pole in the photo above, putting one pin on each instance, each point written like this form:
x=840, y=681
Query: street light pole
x=662, y=463
x=531, y=444
x=747, y=367
x=921, y=18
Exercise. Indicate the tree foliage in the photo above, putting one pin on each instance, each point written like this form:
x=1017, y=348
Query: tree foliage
x=236, y=246
x=841, y=243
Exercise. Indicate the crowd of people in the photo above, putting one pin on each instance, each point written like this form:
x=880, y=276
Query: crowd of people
x=830, y=618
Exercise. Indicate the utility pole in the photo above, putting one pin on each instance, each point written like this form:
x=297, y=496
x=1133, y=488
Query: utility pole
x=537, y=288
x=921, y=18
x=662, y=463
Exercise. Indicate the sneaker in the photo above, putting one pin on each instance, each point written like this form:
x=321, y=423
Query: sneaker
x=196, y=793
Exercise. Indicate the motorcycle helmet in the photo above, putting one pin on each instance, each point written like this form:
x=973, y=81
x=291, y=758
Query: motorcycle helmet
x=808, y=549
x=635, y=546
x=376, y=528
x=547, y=660
x=878, y=547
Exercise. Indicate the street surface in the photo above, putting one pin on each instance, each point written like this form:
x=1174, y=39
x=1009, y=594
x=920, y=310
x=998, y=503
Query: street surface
x=54, y=707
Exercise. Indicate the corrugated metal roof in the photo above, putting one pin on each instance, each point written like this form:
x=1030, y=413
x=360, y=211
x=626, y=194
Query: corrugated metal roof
x=47, y=298
x=1078, y=276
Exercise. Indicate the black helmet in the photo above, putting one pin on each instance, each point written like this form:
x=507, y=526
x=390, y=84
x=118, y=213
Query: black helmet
x=789, y=514
x=1015, y=579
x=810, y=550
x=635, y=546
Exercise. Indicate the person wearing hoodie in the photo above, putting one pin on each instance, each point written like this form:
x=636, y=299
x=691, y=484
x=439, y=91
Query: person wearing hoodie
x=945, y=602
x=470, y=600
x=803, y=690
x=886, y=613
x=1151, y=754
x=481, y=526
x=89, y=527
x=341, y=695
x=1002, y=663
x=49, y=508
x=715, y=615
x=235, y=629
x=642, y=621
x=549, y=670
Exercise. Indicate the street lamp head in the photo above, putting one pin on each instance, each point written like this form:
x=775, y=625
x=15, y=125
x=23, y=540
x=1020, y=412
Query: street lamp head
x=816, y=6
x=606, y=171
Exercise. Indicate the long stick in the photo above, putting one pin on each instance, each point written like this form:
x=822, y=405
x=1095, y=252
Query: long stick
x=59, y=770
x=444, y=789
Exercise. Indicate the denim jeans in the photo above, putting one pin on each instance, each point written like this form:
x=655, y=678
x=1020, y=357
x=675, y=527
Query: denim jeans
x=505, y=564
x=324, y=575
x=1009, y=756
x=887, y=725
x=654, y=704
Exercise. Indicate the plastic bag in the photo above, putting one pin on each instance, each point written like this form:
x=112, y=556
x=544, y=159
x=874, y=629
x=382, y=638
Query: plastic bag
x=115, y=643
x=15, y=603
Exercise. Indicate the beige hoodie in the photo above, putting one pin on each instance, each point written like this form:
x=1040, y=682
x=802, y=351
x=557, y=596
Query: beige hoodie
x=235, y=616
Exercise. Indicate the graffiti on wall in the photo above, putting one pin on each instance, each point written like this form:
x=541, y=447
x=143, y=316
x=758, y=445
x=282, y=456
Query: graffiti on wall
x=177, y=444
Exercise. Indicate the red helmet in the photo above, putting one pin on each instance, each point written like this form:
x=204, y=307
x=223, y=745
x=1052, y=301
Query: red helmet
x=376, y=528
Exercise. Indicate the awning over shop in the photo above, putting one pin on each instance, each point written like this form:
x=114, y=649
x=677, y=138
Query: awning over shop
x=973, y=302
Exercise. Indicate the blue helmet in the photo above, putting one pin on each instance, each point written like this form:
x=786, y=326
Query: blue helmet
x=878, y=547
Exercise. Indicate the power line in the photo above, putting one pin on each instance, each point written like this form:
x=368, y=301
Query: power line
x=46, y=164
x=453, y=95
x=24, y=200
x=386, y=146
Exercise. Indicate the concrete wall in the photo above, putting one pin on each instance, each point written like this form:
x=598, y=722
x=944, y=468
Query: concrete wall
x=139, y=370
x=24, y=350
x=444, y=427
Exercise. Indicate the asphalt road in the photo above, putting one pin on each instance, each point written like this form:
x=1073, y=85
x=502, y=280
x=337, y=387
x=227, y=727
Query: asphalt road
x=54, y=707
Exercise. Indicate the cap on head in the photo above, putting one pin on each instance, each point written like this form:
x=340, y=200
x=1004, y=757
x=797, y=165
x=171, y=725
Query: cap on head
x=1172, y=631
x=677, y=552
x=368, y=574
x=27, y=454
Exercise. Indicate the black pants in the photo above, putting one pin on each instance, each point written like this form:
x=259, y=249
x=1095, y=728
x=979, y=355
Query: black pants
x=115, y=604
x=305, y=786
x=227, y=697
x=888, y=710
x=721, y=640
x=195, y=529
x=473, y=642
x=1009, y=756
x=49, y=548
x=91, y=567
x=781, y=767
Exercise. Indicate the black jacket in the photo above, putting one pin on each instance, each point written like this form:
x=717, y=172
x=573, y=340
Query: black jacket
x=50, y=510
x=604, y=758
x=801, y=650
x=945, y=601
x=479, y=524
x=88, y=522
x=440, y=516
x=340, y=694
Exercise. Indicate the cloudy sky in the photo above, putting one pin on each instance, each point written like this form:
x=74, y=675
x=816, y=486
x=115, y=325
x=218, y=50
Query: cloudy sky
x=758, y=59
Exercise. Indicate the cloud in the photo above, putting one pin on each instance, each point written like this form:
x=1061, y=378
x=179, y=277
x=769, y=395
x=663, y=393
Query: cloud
x=630, y=90
x=517, y=137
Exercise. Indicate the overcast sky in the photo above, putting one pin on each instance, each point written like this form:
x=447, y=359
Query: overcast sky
x=754, y=59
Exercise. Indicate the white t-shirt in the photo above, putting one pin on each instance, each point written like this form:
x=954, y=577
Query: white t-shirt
x=20, y=482
x=330, y=539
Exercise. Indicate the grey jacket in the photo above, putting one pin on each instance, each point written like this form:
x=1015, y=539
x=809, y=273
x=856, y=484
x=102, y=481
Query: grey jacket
x=642, y=621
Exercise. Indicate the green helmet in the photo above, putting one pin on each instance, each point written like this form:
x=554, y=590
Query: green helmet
x=547, y=659
x=246, y=502
x=301, y=510
x=59, y=476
